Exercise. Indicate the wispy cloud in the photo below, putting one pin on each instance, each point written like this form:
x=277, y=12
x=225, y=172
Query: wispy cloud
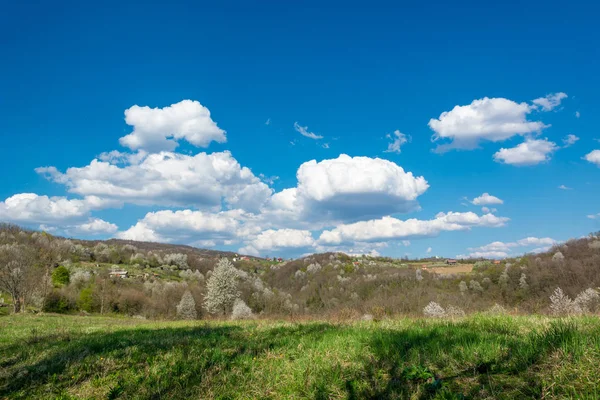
x=398, y=139
x=303, y=130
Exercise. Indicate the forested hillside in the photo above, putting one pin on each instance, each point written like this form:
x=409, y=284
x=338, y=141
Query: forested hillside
x=40, y=272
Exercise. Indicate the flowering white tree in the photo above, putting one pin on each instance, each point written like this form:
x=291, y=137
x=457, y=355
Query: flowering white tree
x=558, y=257
x=561, y=304
x=418, y=275
x=434, y=310
x=523, y=282
x=177, y=259
x=222, y=288
x=503, y=280
x=241, y=310
x=588, y=300
x=475, y=286
x=463, y=287
x=186, y=309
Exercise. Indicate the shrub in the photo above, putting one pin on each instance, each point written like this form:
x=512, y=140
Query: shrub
x=186, y=309
x=497, y=309
x=475, y=286
x=86, y=299
x=463, y=287
x=434, y=310
x=241, y=310
x=221, y=288
x=56, y=302
x=60, y=276
x=453, y=311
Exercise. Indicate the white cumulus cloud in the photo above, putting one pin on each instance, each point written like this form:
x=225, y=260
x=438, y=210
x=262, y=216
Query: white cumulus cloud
x=593, y=157
x=487, y=199
x=492, y=119
x=158, y=129
x=56, y=213
x=188, y=226
x=389, y=228
x=348, y=189
x=168, y=179
x=530, y=152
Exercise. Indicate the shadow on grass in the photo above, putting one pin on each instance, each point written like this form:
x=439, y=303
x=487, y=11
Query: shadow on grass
x=203, y=351
x=412, y=361
x=415, y=363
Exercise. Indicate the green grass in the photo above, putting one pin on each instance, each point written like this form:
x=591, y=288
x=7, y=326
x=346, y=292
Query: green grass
x=66, y=357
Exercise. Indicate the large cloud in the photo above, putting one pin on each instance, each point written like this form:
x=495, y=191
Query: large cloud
x=530, y=152
x=389, y=228
x=168, y=179
x=187, y=226
x=157, y=129
x=55, y=212
x=280, y=239
x=493, y=119
x=348, y=189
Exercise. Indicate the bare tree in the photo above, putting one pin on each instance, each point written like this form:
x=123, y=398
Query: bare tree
x=14, y=272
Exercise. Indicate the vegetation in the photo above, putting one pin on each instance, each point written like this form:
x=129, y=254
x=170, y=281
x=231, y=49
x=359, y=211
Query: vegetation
x=41, y=272
x=477, y=357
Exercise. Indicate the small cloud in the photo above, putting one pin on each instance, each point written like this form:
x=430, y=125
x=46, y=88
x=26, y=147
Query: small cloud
x=577, y=114
x=325, y=145
x=569, y=140
x=268, y=179
x=268, y=121
x=293, y=142
x=487, y=199
x=303, y=130
x=485, y=210
x=406, y=243
x=563, y=187
x=429, y=250
x=550, y=102
x=398, y=139
x=593, y=157
x=594, y=216
x=530, y=152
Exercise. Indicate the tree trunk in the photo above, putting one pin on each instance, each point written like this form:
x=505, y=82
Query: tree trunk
x=16, y=304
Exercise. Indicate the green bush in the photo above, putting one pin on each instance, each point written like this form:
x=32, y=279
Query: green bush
x=56, y=302
x=86, y=299
x=60, y=276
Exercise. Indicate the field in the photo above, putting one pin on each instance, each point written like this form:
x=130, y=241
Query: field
x=479, y=356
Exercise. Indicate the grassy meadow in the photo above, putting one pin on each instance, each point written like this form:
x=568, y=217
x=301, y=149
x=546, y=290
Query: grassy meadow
x=72, y=357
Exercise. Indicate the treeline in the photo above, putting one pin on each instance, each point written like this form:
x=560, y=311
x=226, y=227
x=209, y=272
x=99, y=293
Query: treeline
x=40, y=272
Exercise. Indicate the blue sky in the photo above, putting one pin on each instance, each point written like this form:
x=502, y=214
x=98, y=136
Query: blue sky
x=347, y=72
